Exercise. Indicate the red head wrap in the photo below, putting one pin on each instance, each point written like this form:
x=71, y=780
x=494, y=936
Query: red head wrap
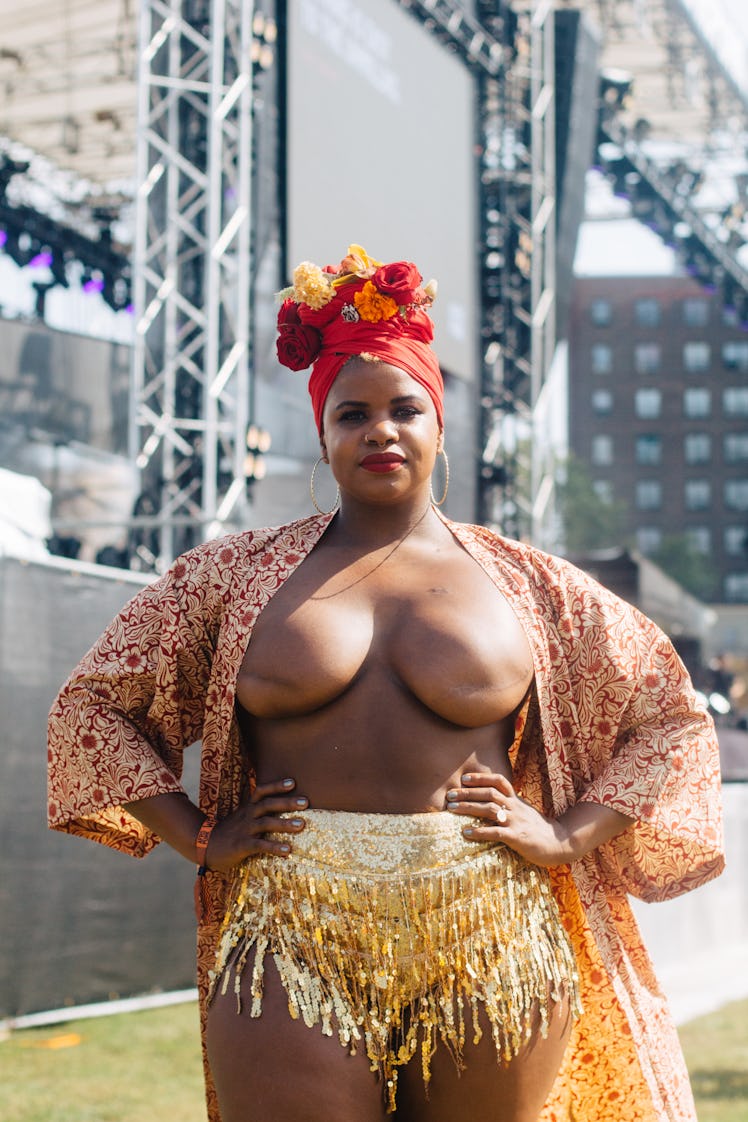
x=362, y=307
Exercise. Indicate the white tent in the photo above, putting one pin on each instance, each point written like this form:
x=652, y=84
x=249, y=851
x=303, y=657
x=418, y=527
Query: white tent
x=24, y=516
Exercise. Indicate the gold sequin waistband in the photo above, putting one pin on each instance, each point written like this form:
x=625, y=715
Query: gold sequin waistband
x=384, y=844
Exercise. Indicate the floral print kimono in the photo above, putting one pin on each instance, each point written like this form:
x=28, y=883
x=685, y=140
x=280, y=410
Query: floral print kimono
x=613, y=720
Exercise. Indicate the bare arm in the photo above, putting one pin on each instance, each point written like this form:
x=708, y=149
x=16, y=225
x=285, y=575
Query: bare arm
x=544, y=841
x=248, y=830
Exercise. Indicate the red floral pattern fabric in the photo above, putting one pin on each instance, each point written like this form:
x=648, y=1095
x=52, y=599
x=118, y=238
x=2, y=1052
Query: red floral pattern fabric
x=613, y=720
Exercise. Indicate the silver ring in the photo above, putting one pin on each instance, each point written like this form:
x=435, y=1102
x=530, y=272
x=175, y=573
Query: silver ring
x=501, y=815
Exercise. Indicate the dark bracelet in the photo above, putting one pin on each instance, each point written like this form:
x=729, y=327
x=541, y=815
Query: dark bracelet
x=201, y=848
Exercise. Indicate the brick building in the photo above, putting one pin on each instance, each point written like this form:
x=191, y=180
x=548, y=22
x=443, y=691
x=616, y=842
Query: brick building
x=658, y=394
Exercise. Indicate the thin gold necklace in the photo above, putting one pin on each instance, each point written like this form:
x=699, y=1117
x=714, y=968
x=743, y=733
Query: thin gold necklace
x=365, y=576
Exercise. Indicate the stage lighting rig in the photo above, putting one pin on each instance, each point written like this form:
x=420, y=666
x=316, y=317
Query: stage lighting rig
x=28, y=236
x=616, y=87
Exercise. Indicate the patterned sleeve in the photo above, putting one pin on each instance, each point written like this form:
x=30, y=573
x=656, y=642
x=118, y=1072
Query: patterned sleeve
x=623, y=728
x=664, y=772
x=119, y=726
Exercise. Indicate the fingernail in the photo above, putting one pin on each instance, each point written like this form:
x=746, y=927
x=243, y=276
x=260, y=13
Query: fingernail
x=301, y=802
x=468, y=831
x=466, y=778
x=452, y=794
x=288, y=782
x=296, y=822
x=284, y=848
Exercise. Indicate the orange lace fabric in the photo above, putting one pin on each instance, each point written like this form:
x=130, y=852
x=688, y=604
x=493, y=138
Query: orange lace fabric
x=613, y=721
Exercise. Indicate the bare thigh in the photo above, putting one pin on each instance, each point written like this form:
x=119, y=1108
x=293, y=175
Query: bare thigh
x=274, y=1069
x=485, y=1088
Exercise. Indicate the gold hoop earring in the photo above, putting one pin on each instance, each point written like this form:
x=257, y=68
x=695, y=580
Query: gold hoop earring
x=335, y=505
x=440, y=501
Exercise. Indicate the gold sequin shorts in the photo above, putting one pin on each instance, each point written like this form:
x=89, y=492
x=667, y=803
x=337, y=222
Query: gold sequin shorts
x=392, y=930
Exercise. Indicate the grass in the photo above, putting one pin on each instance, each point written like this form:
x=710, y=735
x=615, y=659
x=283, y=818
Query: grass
x=716, y=1050
x=145, y=1067
x=134, y=1067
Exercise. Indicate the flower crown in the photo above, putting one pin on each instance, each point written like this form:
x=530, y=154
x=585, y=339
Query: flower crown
x=358, y=290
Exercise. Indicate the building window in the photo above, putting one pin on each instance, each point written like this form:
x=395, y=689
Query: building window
x=736, y=587
x=736, y=447
x=647, y=358
x=735, y=401
x=697, y=447
x=648, y=494
x=603, y=488
x=698, y=494
x=648, y=403
x=602, y=449
x=601, y=312
x=697, y=402
x=735, y=354
x=696, y=357
x=695, y=312
x=602, y=359
x=736, y=540
x=648, y=539
x=647, y=313
x=699, y=538
x=736, y=494
x=602, y=402
x=648, y=448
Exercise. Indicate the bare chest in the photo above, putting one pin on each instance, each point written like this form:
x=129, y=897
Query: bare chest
x=430, y=628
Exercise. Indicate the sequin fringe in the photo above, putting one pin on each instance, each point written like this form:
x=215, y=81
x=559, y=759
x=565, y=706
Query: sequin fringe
x=392, y=930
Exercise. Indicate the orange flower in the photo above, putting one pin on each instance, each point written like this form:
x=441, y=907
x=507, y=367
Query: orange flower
x=372, y=305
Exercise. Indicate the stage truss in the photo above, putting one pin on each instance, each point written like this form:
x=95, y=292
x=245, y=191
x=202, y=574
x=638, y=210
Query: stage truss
x=193, y=260
x=192, y=270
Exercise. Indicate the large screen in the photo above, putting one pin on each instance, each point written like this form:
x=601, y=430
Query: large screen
x=380, y=151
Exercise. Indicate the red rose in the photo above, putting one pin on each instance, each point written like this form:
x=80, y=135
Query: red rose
x=297, y=345
x=288, y=313
x=399, y=281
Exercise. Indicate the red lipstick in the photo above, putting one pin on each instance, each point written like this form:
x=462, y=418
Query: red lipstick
x=382, y=461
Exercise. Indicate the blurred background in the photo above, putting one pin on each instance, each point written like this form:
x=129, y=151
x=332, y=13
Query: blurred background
x=575, y=175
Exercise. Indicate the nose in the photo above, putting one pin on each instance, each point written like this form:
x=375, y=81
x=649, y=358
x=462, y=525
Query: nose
x=381, y=432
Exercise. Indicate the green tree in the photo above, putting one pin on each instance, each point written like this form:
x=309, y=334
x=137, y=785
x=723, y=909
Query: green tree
x=690, y=568
x=590, y=522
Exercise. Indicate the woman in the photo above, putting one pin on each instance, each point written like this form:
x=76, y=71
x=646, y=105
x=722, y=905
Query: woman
x=428, y=781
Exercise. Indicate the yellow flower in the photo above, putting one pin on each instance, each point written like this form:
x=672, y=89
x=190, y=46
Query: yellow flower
x=372, y=305
x=358, y=262
x=312, y=286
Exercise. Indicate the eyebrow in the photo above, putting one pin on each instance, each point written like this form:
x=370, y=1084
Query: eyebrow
x=393, y=401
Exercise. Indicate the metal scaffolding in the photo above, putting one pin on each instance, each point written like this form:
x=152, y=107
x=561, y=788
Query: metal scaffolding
x=473, y=40
x=517, y=256
x=196, y=244
x=543, y=198
x=192, y=270
x=192, y=266
x=672, y=120
x=516, y=230
x=193, y=262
